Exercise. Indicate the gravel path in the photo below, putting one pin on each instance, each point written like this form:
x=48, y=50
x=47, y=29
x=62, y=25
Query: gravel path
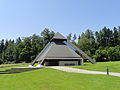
x=75, y=70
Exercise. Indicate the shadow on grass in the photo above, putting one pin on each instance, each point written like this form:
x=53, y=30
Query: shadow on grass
x=17, y=70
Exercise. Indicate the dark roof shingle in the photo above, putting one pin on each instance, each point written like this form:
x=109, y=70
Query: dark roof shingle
x=58, y=36
x=59, y=51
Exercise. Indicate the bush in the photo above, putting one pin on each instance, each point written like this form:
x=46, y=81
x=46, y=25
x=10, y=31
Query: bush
x=107, y=54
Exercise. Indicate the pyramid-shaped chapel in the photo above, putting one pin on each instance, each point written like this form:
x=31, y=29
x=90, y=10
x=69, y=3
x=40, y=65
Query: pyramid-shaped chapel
x=60, y=52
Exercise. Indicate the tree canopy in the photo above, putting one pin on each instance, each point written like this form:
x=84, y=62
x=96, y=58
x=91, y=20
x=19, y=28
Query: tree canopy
x=102, y=45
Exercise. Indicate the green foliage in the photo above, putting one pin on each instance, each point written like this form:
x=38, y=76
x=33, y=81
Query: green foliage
x=69, y=36
x=107, y=37
x=1, y=61
x=87, y=42
x=47, y=35
x=25, y=49
x=103, y=45
x=108, y=54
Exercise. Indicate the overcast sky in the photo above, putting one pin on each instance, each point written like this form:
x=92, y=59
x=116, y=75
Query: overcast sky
x=21, y=18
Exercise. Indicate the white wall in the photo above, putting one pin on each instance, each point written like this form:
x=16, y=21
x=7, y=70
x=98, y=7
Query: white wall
x=68, y=63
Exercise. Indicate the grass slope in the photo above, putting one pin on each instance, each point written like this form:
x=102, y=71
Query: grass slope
x=50, y=79
x=101, y=66
x=9, y=66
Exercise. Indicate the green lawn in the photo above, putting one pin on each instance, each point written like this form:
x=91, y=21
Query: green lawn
x=9, y=66
x=50, y=79
x=101, y=66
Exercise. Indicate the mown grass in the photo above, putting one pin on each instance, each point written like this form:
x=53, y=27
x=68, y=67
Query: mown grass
x=50, y=79
x=9, y=66
x=101, y=66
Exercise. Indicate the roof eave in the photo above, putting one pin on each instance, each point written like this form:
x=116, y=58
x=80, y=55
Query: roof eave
x=63, y=58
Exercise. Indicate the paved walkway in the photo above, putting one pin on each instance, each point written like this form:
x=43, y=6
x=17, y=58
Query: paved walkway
x=75, y=70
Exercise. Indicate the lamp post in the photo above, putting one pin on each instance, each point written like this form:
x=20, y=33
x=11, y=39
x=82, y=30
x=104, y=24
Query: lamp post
x=107, y=69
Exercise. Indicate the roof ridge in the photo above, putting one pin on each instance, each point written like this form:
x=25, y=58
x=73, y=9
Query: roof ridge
x=58, y=36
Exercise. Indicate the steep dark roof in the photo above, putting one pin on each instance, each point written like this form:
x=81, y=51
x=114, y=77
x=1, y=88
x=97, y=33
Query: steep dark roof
x=61, y=51
x=58, y=51
x=58, y=36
